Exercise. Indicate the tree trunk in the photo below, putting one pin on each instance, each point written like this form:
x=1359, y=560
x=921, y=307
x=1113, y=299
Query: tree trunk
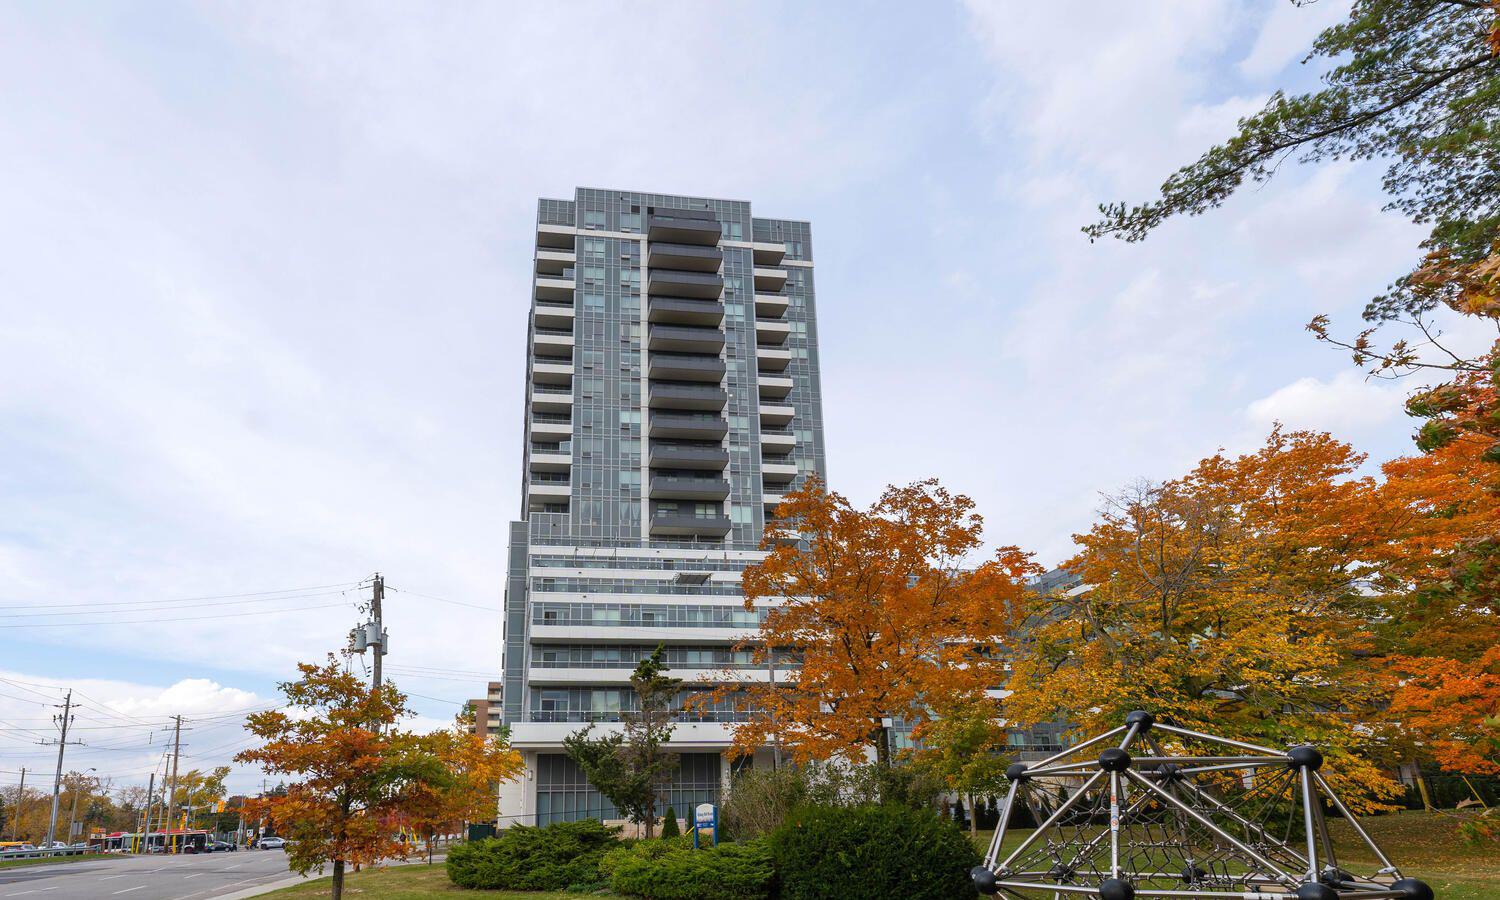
x=973, y=817
x=338, y=879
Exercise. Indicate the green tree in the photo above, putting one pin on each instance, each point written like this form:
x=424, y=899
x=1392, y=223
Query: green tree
x=964, y=747
x=1415, y=83
x=629, y=767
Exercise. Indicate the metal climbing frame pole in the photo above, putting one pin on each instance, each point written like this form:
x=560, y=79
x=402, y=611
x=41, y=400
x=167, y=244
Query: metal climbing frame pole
x=1010, y=798
x=1057, y=814
x=1114, y=823
x=1305, y=776
x=1354, y=823
x=1208, y=823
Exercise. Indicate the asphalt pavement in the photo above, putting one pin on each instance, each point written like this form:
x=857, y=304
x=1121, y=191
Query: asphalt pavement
x=201, y=876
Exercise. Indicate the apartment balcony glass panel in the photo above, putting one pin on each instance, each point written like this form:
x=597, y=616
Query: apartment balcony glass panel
x=554, y=288
x=670, y=283
x=685, y=367
x=669, y=455
x=684, y=311
x=689, y=523
x=685, y=339
x=687, y=487
x=684, y=257
x=769, y=359
x=770, y=280
x=683, y=229
x=701, y=426
x=675, y=395
x=771, y=306
x=773, y=387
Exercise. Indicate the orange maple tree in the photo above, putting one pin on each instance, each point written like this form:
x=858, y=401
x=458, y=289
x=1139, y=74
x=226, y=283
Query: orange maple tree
x=1443, y=573
x=883, y=611
x=351, y=772
x=466, y=786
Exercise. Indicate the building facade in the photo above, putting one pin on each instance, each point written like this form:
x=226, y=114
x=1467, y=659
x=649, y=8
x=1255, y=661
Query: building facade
x=672, y=398
x=486, y=711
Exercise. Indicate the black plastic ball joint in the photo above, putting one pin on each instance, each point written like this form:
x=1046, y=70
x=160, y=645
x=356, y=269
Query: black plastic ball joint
x=1413, y=888
x=1334, y=877
x=984, y=880
x=1191, y=875
x=1116, y=889
x=1316, y=890
x=1142, y=718
x=1017, y=772
x=1061, y=873
x=1169, y=773
x=1114, y=760
x=1304, y=757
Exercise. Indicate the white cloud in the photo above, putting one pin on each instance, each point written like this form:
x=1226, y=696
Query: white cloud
x=1347, y=403
x=1287, y=33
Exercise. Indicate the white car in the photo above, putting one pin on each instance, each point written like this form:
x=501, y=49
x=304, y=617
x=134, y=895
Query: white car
x=271, y=843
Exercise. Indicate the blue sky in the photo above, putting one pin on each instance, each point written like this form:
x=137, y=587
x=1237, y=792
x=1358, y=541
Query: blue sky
x=264, y=267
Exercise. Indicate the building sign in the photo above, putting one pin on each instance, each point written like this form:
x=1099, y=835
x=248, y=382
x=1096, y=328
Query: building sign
x=706, y=819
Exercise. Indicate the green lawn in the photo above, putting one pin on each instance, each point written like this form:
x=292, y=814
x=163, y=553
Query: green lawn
x=1424, y=845
x=418, y=881
x=45, y=861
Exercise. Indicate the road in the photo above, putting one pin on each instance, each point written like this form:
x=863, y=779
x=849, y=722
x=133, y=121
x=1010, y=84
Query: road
x=196, y=877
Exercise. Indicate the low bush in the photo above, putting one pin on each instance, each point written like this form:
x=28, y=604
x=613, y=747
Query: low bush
x=672, y=870
x=759, y=800
x=522, y=858
x=825, y=853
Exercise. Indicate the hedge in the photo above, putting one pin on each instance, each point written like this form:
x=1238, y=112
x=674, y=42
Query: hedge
x=828, y=853
x=522, y=858
x=672, y=870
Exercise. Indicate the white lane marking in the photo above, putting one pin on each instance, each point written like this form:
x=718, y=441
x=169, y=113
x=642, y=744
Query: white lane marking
x=121, y=875
x=18, y=894
x=194, y=875
x=235, y=866
x=128, y=890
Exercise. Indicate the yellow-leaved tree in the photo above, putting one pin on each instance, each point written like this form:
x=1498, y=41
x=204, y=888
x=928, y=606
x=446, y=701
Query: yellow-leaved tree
x=1234, y=600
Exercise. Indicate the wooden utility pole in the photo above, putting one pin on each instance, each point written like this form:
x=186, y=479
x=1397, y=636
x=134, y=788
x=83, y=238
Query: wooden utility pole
x=172, y=787
x=378, y=595
x=15, y=824
x=63, y=721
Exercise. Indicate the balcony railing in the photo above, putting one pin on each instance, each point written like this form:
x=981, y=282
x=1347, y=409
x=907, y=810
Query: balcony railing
x=592, y=715
x=556, y=418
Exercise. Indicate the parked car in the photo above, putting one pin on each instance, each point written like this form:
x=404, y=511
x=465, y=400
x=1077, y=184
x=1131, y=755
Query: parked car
x=271, y=843
x=221, y=847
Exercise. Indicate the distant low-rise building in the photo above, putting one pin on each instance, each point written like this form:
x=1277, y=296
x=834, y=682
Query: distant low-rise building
x=486, y=712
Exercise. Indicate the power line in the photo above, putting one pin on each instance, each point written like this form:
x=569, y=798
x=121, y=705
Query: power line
x=446, y=600
x=296, y=590
x=173, y=619
x=94, y=612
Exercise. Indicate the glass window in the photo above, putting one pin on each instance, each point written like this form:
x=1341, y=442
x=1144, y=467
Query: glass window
x=593, y=218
